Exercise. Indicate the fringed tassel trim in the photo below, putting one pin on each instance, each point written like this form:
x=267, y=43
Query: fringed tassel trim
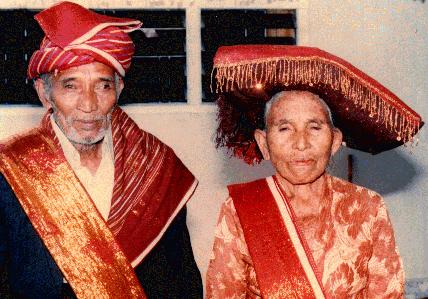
x=313, y=71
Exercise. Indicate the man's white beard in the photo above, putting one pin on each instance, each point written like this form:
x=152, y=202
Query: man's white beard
x=72, y=134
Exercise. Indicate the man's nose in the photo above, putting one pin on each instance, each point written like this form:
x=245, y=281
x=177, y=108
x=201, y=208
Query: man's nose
x=88, y=102
x=301, y=141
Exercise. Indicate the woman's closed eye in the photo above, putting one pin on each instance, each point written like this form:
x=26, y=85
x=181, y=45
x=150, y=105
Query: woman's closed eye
x=284, y=128
x=315, y=127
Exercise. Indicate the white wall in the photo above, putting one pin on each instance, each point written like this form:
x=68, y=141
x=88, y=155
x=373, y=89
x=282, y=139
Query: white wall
x=388, y=40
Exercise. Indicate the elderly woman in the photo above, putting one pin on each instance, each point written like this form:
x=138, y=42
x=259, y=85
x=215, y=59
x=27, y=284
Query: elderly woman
x=302, y=233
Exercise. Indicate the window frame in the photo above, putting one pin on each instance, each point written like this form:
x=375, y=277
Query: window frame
x=192, y=9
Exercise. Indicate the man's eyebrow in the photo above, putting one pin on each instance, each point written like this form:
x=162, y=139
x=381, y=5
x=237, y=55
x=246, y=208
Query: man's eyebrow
x=107, y=79
x=67, y=79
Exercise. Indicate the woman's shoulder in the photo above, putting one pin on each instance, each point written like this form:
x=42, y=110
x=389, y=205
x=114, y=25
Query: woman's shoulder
x=346, y=190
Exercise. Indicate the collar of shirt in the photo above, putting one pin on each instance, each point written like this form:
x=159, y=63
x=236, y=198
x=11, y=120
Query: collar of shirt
x=100, y=185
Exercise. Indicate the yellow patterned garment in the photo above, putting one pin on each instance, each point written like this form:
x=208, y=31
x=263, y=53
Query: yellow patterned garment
x=351, y=241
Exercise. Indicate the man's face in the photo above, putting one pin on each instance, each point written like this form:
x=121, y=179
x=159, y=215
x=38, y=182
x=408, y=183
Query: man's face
x=82, y=99
x=299, y=139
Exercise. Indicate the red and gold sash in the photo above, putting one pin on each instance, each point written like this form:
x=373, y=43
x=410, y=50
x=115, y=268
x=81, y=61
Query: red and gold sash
x=283, y=264
x=66, y=219
x=151, y=185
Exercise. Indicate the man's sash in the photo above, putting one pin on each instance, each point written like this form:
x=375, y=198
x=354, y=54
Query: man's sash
x=66, y=219
x=283, y=264
x=151, y=186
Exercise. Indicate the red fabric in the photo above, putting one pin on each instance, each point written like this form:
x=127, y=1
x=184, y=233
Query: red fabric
x=277, y=265
x=67, y=22
x=150, y=184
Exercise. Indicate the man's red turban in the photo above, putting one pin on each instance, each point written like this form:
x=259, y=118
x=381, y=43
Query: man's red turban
x=75, y=36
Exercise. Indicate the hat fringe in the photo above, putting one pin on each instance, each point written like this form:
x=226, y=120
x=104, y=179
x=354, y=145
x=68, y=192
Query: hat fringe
x=316, y=70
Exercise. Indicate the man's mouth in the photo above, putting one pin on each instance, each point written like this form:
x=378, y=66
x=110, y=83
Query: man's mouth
x=88, y=125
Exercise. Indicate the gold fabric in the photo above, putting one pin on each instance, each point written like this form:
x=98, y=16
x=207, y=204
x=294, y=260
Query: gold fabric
x=66, y=219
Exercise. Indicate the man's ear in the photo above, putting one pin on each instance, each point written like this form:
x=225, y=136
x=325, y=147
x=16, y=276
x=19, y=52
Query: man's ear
x=337, y=140
x=41, y=92
x=261, y=140
x=120, y=87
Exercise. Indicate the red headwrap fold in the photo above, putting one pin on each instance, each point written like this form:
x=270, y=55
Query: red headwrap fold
x=75, y=36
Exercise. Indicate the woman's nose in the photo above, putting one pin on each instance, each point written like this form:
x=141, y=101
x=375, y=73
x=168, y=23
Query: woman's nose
x=301, y=141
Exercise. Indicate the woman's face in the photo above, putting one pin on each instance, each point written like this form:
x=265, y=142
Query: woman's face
x=299, y=139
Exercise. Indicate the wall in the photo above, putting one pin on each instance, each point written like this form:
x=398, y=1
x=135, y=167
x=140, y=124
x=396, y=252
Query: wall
x=387, y=39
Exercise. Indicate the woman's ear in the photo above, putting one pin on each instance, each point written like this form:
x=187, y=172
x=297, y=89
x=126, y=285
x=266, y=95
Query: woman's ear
x=337, y=140
x=261, y=140
x=41, y=92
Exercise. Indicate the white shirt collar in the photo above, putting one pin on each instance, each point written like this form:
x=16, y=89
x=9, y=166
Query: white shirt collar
x=100, y=185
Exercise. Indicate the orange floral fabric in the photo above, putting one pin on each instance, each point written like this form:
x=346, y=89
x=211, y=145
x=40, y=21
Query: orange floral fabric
x=351, y=241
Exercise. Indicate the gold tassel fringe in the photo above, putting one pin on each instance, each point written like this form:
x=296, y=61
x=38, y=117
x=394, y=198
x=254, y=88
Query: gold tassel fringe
x=313, y=70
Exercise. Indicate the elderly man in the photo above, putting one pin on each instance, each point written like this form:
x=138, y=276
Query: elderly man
x=303, y=233
x=92, y=206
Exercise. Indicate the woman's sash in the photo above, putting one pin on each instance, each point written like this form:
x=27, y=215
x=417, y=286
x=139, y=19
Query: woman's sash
x=66, y=219
x=281, y=261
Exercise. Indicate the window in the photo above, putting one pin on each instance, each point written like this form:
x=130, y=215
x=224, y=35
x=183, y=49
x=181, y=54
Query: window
x=157, y=73
x=160, y=70
x=20, y=36
x=232, y=27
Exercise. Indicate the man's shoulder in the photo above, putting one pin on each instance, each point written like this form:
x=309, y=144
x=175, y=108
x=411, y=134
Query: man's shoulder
x=125, y=127
x=9, y=206
x=20, y=141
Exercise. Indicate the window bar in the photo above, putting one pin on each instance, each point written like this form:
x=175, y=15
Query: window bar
x=193, y=55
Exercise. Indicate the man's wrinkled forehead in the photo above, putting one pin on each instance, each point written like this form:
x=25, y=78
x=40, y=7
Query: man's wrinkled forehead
x=82, y=71
x=91, y=70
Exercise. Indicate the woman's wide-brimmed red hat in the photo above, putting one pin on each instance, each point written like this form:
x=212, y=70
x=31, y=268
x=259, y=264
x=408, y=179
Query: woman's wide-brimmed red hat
x=371, y=117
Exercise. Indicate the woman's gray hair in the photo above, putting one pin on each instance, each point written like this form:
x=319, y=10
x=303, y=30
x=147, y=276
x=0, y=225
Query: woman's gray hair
x=282, y=94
